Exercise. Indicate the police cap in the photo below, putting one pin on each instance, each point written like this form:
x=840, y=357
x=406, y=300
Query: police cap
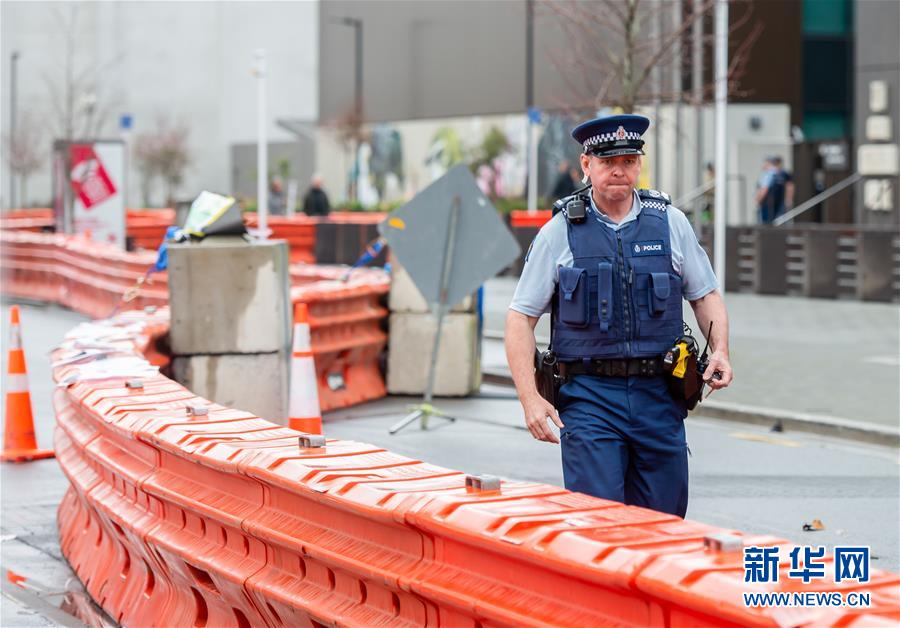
x=610, y=136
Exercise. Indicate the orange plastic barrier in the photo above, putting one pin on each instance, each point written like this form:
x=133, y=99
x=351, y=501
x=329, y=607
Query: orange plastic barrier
x=522, y=218
x=89, y=277
x=299, y=231
x=146, y=228
x=360, y=218
x=345, y=320
x=183, y=512
x=38, y=219
x=92, y=278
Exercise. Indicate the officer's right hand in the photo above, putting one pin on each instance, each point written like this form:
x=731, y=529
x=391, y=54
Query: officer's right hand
x=537, y=409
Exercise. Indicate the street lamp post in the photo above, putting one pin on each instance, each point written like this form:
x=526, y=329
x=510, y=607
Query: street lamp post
x=13, y=79
x=721, y=197
x=262, y=147
x=357, y=25
x=532, y=121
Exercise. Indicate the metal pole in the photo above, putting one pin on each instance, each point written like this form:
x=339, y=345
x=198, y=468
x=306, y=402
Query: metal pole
x=426, y=410
x=815, y=200
x=721, y=218
x=529, y=53
x=262, y=157
x=530, y=139
x=657, y=88
x=697, y=86
x=13, y=80
x=442, y=305
x=532, y=165
x=356, y=23
x=358, y=83
x=676, y=88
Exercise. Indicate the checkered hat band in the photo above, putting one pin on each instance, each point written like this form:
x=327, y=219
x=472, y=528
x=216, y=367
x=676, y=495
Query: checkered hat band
x=603, y=138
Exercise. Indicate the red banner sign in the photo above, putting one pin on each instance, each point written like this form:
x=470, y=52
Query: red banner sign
x=88, y=177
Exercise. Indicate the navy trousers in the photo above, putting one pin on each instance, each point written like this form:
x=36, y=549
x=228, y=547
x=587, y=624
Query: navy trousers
x=624, y=440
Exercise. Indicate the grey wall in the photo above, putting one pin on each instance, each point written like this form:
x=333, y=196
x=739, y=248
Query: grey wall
x=301, y=155
x=439, y=58
x=878, y=58
x=424, y=59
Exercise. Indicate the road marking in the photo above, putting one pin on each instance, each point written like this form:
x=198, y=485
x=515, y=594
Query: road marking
x=765, y=438
x=887, y=360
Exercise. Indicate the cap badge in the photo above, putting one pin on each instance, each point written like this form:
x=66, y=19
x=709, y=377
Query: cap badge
x=620, y=133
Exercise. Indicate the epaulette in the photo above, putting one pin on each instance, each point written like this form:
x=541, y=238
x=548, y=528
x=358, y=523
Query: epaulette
x=654, y=198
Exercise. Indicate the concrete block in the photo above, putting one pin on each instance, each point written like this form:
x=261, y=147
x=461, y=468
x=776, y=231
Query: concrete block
x=257, y=382
x=228, y=295
x=405, y=296
x=409, y=354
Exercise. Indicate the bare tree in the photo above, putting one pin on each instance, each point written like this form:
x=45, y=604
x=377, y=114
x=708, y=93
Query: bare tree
x=162, y=153
x=24, y=152
x=80, y=104
x=623, y=42
x=494, y=145
x=350, y=131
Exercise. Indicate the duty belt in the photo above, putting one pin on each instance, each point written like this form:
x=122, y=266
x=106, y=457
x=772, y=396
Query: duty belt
x=647, y=367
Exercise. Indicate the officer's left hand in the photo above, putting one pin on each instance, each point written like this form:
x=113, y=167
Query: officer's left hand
x=718, y=363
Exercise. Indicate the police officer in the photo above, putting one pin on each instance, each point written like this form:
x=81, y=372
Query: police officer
x=613, y=278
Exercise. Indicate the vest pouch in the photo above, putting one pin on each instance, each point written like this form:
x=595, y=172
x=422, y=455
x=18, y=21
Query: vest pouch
x=659, y=293
x=573, y=296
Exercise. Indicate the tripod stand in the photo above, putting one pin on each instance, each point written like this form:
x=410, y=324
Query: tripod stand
x=426, y=410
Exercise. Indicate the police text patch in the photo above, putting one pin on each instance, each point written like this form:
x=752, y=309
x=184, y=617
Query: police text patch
x=649, y=247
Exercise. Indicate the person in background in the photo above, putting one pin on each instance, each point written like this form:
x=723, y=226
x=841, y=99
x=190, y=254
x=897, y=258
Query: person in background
x=276, y=197
x=774, y=190
x=315, y=203
x=565, y=183
x=762, y=190
x=783, y=183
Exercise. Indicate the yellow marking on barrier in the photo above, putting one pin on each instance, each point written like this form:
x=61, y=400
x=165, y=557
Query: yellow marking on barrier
x=765, y=438
x=397, y=223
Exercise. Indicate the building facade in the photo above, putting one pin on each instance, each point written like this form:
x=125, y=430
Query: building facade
x=187, y=63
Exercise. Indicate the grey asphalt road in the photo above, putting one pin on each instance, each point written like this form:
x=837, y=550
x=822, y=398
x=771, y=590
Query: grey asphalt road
x=742, y=477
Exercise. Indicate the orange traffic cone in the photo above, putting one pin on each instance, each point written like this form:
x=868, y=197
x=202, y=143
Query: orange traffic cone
x=305, y=415
x=19, y=444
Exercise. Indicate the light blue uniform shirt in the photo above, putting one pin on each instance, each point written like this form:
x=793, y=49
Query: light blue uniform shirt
x=550, y=250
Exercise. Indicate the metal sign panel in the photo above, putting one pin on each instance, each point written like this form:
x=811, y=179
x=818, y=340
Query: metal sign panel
x=417, y=234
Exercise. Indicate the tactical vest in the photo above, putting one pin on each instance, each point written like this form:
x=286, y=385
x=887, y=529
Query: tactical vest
x=621, y=298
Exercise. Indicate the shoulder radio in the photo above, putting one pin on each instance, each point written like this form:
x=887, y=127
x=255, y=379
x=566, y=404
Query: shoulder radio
x=575, y=205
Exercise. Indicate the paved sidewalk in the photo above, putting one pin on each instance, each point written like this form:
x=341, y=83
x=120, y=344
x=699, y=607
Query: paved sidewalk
x=796, y=355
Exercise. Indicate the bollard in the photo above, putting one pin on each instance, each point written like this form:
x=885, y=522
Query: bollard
x=311, y=441
x=482, y=484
